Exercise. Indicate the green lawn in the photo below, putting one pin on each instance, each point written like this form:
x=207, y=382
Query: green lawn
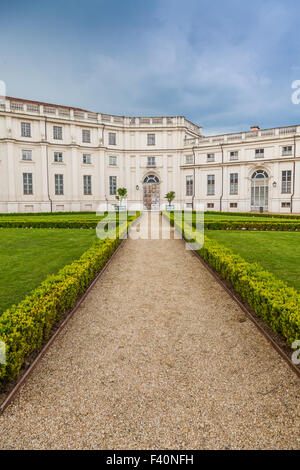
x=27, y=256
x=277, y=252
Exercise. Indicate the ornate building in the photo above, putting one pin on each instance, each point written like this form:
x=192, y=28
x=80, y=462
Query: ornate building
x=56, y=158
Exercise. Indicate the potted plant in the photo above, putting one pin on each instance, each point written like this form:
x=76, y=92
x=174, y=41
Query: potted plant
x=122, y=194
x=170, y=196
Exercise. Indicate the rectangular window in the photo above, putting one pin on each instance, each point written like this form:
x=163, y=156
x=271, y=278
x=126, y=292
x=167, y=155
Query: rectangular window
x=59, y=184
x=151, y=162
x=210, y=157
x=27, y=183
x=86, y=158
x=189, y=186
x=25, y=129
x=112, y=185
x=210, y=185
x=86, y=136
x=87, y=185
x=57, y=133
x=26, y=154
x=287, y=150
x=234, y=183
x=233, y=205
x=113, y=161
x=151, y=139
x=286, y=182
x=210, y=205
x=112, y=138
x=58, y=157
x=259, y=153
x=285, y=205
x=189, y=159
x=234, y=155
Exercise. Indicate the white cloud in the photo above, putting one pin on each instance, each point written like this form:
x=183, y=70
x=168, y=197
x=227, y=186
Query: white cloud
x=221, y=79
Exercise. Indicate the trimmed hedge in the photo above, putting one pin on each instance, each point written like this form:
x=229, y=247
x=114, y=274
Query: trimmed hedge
x=242, y=225
x=59, y=223
x=273, y=300
x=50, y=214
x=25, y=326
x=255, y=214
x=49, y=224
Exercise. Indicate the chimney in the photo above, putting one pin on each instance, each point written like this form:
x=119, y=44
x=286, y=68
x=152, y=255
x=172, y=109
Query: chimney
x=254, y=128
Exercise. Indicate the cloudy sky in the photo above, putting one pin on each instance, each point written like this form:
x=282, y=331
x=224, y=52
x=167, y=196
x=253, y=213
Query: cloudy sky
x=223, y=64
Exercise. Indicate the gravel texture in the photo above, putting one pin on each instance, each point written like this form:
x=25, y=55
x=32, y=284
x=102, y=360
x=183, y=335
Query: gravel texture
x=157, y=357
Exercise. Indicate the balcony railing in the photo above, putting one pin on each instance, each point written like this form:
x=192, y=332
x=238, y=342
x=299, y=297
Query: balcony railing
x=77, y=114
x=242, y=136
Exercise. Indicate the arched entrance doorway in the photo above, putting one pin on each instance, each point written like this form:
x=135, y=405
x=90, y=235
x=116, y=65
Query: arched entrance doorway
x=151, y=188
x=260, y=190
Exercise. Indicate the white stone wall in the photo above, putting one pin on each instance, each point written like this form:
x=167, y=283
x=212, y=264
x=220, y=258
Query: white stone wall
x=175, y=139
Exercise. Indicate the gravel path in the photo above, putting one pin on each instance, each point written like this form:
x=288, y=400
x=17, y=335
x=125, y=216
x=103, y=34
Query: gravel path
x=158, y=356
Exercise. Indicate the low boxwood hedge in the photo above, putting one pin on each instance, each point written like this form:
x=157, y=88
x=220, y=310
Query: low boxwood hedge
x=245, y=225
x=57, y=223
x=255, y=214
x=38, y=214
x=273, y=300
x=48, y=223
x=24, y=327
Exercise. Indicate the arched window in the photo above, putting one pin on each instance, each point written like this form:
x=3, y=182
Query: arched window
x=150, y=179
x=260, y=174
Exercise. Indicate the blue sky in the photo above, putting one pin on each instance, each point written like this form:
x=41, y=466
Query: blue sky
x=223, y=64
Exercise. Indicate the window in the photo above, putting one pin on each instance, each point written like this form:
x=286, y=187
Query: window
x=58, y=157
x=234, y=155
x=210, y=157
x=26, y=154
x=112, y=185
x=57, y=133
x=287, y=150
x=86, y=158
x=210, y=185
x=233, y=205
x=151, y=162
x=151, y=139
x=259, y=153
x=86, y=136
x=25, y=129
x=87, y=185
x=113, y=161
x=284, y=205
x=27, y=183
x=112, y=138
x=260, y=190
x=189, y=159
x=59, y=184
x=286, y=182
x=210, y=205
x=234, y=183
x=151, y=179
x=189, y=186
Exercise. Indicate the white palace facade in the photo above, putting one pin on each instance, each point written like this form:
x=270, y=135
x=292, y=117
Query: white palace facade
x=57, y=158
